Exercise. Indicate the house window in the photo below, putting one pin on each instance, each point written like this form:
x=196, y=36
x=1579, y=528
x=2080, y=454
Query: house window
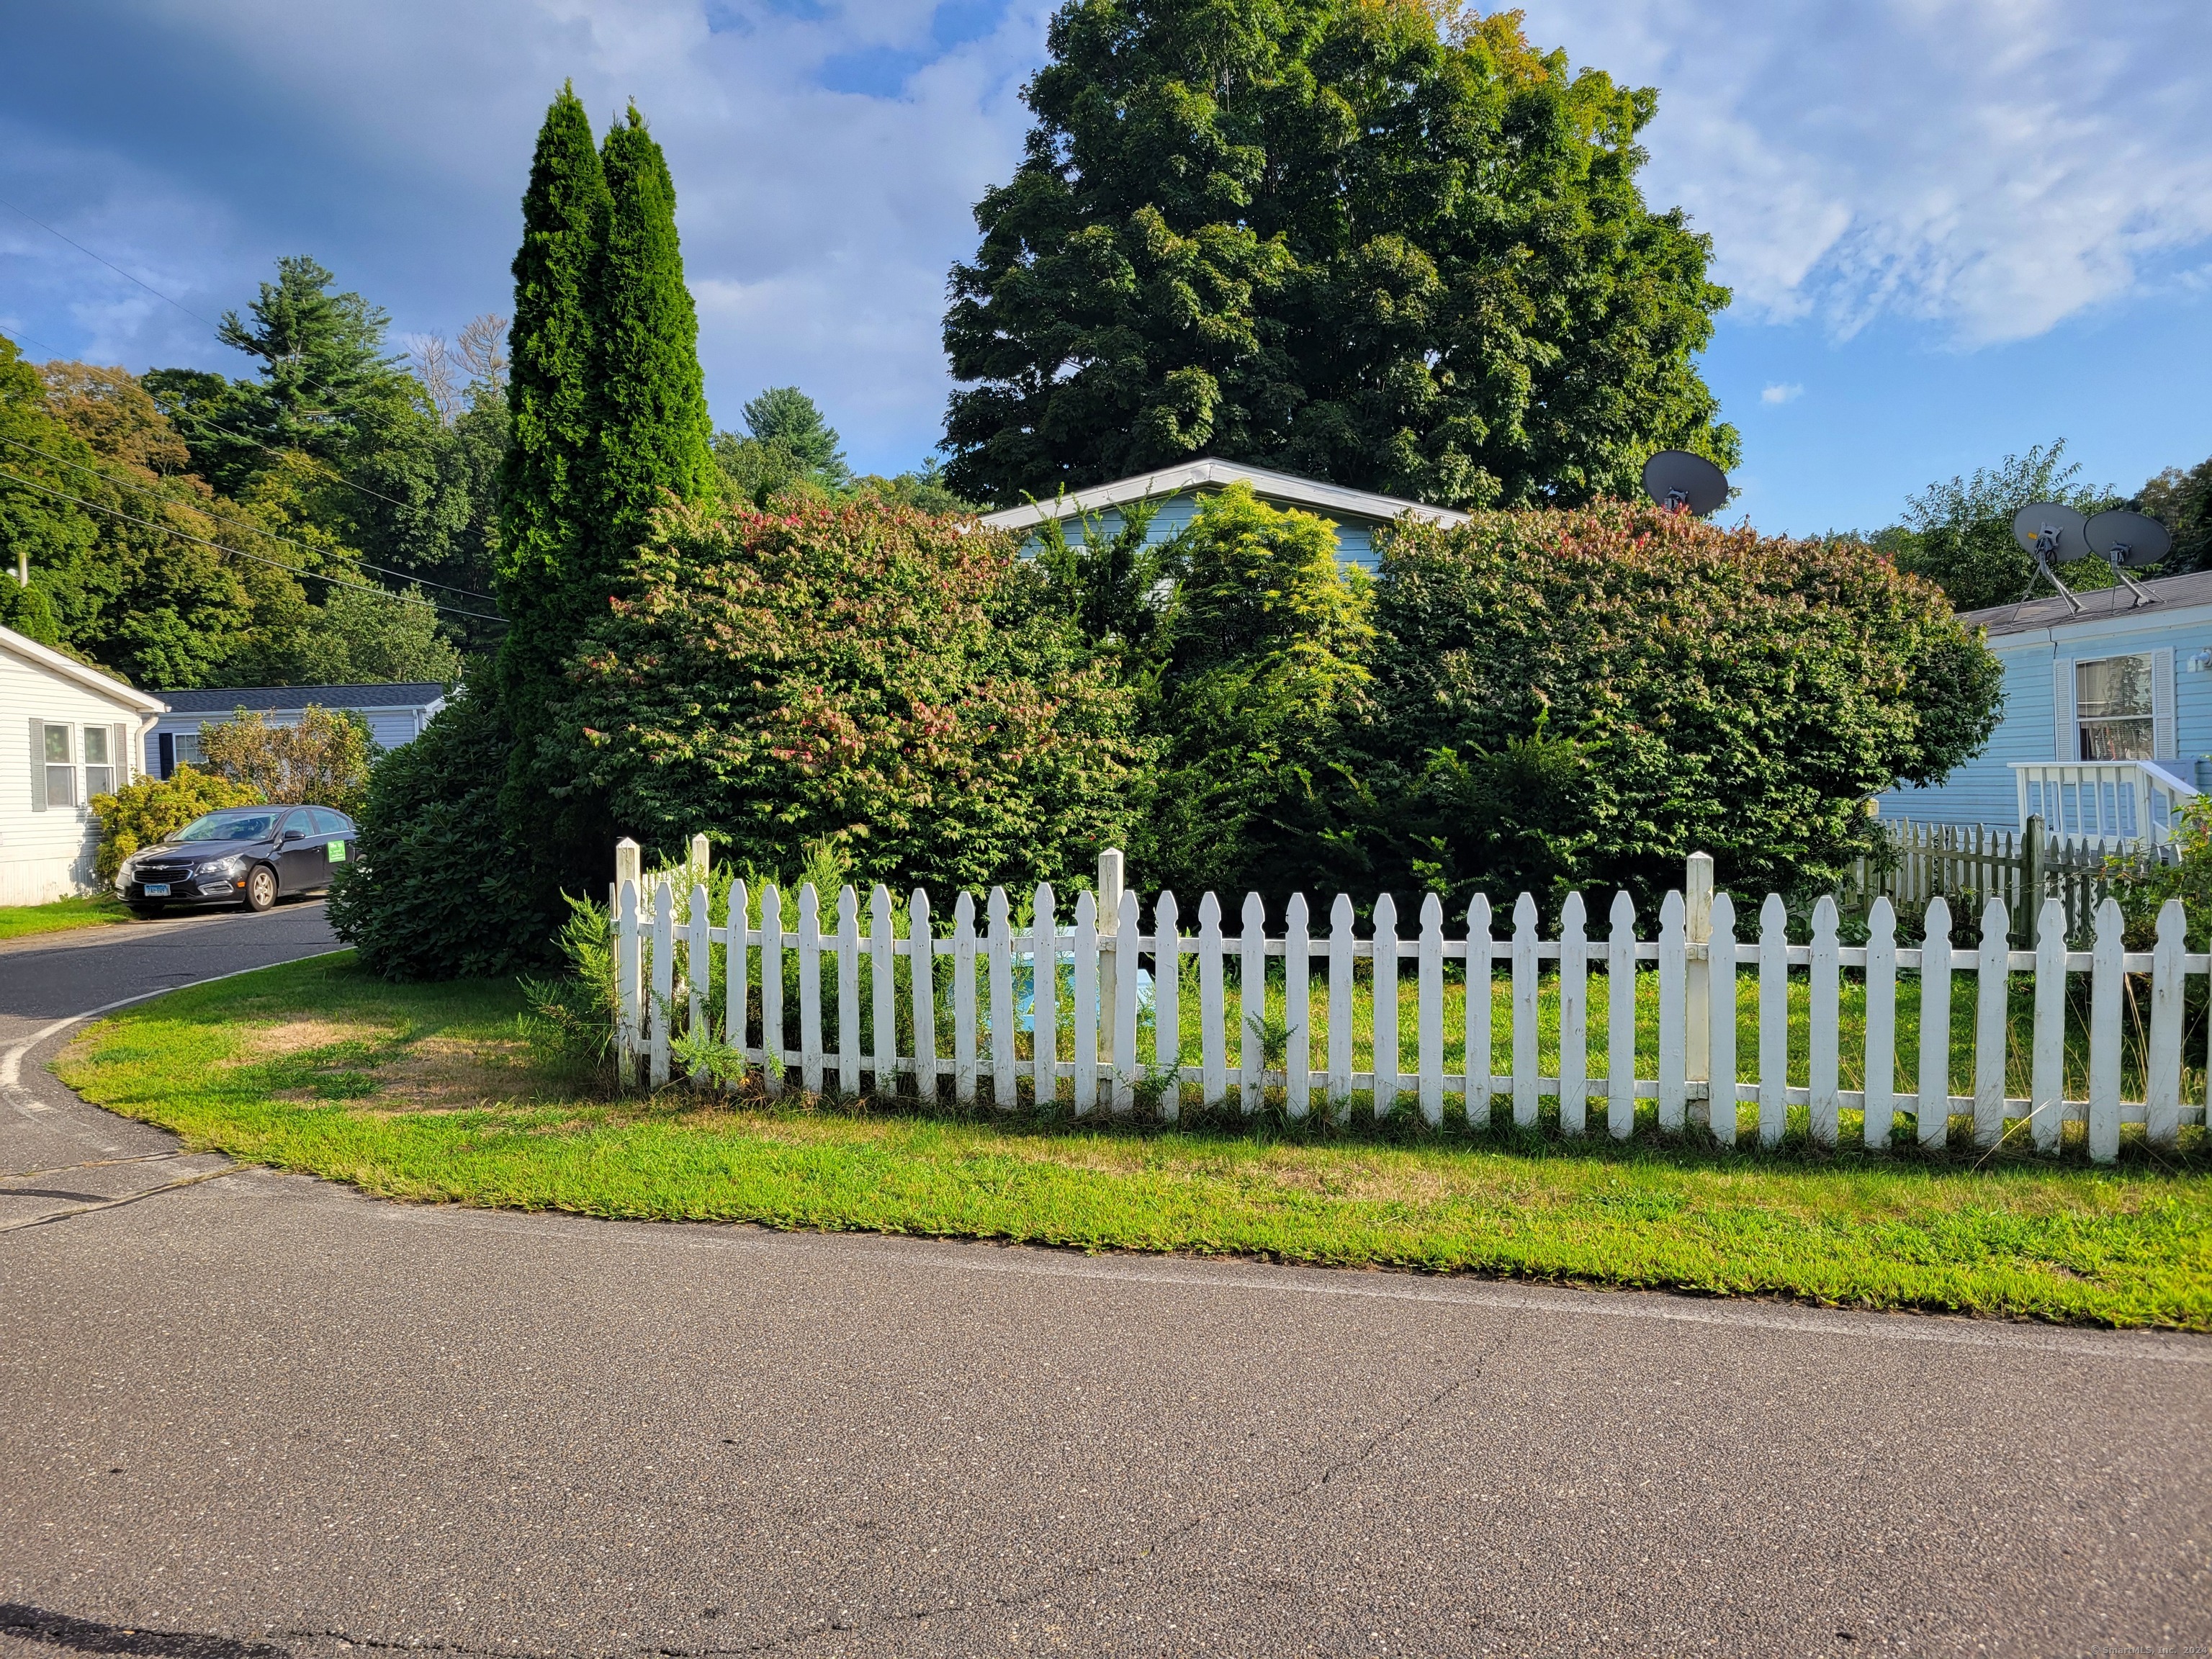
x=187, y=748
x=2112, y=707
x=61, y=773
x=99, y=764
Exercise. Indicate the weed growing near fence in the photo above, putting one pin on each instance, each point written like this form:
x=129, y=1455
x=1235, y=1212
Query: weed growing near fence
x=430, y=1093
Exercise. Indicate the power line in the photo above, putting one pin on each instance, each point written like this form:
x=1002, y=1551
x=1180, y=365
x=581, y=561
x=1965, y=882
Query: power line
x=257, y=558
x=238, y=524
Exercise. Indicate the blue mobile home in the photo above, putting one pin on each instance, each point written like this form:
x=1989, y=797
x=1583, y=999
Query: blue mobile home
x=1177, y=491
x=2107, y=727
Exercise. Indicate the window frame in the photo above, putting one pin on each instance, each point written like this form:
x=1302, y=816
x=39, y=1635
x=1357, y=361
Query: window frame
x=2145, y=721
x=65, y=768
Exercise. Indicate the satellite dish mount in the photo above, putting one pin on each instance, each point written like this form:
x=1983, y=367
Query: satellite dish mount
x=2051, y=533
x=2124, y=539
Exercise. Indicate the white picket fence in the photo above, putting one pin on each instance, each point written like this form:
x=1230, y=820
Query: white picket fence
x=1697, y=1009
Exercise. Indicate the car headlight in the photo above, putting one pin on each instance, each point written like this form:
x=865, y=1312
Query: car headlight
x=218, y=867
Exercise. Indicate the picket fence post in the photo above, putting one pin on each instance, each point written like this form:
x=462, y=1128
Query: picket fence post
x=884, y=979
x=963, y=1000
x=1478, y=1012
x=1428, y=1025
x=1825, y=997
x=1167, y=1003
x=1385, y=1024
x=775, y=1060
x=1002, y=1001
x=1125, y=1004
x=1339, y=1008
x=628, y=983
x=1932, y=1109
x=1086, y=1003
x=921, y=985
x=734, y=986
x=1251, y=1001
x=1574, y=1018
x=1214, y=1058
x=1880, y=1108
x=1298, y=1009
x=1044, y=997
x=1525, y=1097
x=697, y=964
x=1719, y=1020
x=849, y=991
x=1620, y=1020
x=810, y=989
x=1674, y=1075
x=1773, y=1021
x=664, y=978
x=1991, y=991
x=2047, y=1061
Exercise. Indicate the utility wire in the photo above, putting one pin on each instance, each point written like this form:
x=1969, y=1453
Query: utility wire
x=257, y=558
x=205, y=420
x=143, y=488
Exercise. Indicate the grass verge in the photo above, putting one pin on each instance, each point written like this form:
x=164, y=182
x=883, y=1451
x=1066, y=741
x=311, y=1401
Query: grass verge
x=16, y=920
x=427, y=1092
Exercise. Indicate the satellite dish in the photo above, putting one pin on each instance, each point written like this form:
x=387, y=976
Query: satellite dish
x=1683, y=482
x=2051, y=530
x=2128, y=538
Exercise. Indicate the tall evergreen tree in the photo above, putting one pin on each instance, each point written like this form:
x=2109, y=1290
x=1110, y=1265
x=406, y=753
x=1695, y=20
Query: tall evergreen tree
x=545, y=512
x=650, y=432
x=542, y=500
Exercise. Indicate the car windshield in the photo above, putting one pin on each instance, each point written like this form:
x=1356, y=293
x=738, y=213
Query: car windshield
x=228, y=826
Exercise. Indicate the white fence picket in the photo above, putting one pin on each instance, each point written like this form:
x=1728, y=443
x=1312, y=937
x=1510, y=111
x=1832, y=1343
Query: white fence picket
x=1528, y=1087
x=1341, y=945
x=1125, y=1005
x=1674, y=996
x=963, y=1000
x=664, y=978
x=629, y=984
x=1932, y=1106
x=922, y=986
x=698, y=964
x=1044, y=997
x=2104, y=988
x=1720, y=1017
x=1086, y=1002
x=2162, y=1058
x=1620, y=1020
x=1879, y=1113
x=1385, y=1022
x=1214, y=1058
x=1002, y=1000
x=1773, y=1021
x=736, y=1004
x=776, y=1060
x=1992, y=989
x=1823, y=1024
x=1574, y=1017
x=884, y=975
x=1429, y=1021
x=849, y=991
x=1479, y=944
x=1251, y=1001
x=2046, y=1085
x=1167, y=1004
x=1298, y=1009
x=810, y=989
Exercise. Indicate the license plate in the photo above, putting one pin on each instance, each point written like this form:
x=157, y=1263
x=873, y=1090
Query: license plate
x=157, y=889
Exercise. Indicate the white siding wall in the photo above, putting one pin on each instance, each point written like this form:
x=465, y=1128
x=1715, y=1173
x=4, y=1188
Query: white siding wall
x=48, y=856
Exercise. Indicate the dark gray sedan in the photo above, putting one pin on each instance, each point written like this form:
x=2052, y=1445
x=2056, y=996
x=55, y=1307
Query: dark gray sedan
x=247, y=855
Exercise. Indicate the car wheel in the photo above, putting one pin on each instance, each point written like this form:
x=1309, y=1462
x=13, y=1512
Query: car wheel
x=145, y=912
x=260, y=887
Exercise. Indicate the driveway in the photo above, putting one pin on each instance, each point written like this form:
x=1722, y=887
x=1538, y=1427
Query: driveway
x=259, y=1414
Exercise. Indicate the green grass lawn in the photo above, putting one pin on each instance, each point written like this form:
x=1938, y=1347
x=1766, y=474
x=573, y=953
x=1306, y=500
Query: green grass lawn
x=427, y=1093
x=18, y=920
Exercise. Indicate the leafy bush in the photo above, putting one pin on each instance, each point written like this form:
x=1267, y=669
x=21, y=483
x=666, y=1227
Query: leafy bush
x=569, y=1019
x=325, y=759
x=1583, y=698
x=147, y=812
x=1262, y=669
x=433, y=891
x=865, y=675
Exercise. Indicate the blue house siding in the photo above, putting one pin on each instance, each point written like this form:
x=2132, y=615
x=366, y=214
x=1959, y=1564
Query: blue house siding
x=1355, y=537
x=2029, y=640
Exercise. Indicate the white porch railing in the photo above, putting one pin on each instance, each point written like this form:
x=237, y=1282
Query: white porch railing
x=2107, y=805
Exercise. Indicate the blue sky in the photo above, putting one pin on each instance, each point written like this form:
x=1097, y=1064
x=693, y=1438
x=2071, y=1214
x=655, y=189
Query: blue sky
x=1955, y=228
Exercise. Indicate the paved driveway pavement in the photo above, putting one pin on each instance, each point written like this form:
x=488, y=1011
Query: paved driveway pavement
x=260, y=1415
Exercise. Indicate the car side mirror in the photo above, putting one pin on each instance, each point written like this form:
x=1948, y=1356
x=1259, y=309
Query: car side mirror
x=296, y=834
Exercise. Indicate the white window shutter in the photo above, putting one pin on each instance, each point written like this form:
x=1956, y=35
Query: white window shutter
x=2162, y=744
x=119, y=753
x=37, y=766
x=2062, y=709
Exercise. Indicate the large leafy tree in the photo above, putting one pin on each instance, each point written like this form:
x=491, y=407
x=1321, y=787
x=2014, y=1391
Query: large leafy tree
x=1959, y=535
x=1350, y=238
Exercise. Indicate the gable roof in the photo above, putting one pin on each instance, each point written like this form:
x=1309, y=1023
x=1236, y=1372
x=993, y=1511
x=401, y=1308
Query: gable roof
x=69, y=668
x=2098, y=604
x=268, y=699
x=1333, y=499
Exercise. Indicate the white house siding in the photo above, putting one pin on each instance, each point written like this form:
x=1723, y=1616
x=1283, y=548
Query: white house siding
x=1982, y=790
x=48, y=854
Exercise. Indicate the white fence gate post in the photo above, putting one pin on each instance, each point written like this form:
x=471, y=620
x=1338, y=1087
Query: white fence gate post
x=1044, y=997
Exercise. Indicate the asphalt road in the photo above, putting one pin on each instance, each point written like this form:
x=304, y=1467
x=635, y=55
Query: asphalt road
x=259, y=1415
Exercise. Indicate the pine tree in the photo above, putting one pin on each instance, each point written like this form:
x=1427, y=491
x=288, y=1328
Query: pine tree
x=651, y=434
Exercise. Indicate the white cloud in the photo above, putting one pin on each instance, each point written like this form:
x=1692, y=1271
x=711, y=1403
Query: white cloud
x=1781, y=393
x=1990, y=167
